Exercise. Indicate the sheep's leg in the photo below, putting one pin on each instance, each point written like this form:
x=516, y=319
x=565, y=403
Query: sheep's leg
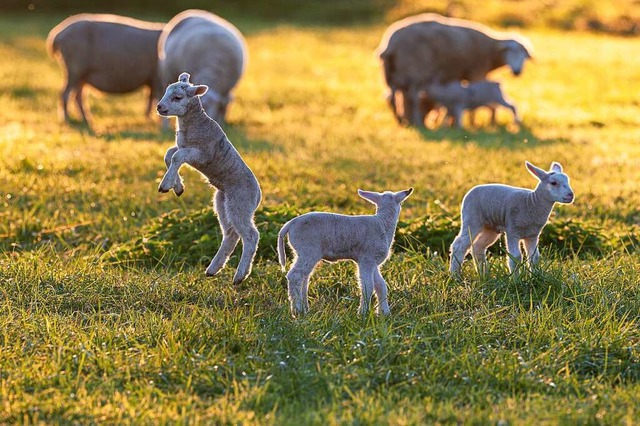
x=457, y=117
x=366, y=271
x=380, y=287
x=298, y=283
x=514, y=254
x=64, y=98
x=230, y=237
x=180, y=157
x=493, y=115
x=531, y=248
x=86, y=114
x=179, y=186
x=484, y=239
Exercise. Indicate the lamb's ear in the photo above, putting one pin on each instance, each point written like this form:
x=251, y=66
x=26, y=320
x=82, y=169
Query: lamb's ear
x=197, y=90
x=400, y=196
x=556, y=167
x=184, y=77
x=535, y=171
x=372, y=197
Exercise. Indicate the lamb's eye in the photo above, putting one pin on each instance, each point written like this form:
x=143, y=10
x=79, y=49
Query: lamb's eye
x=177, y=97
x=554, y=183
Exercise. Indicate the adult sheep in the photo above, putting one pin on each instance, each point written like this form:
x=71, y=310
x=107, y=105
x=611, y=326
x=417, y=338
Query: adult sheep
x=210, y=49
x=114, y=54
x=430, y=48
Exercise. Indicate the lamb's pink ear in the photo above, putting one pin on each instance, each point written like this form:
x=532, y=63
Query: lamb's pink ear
x=400, y=196
x=535, y=171
x=197, y=90
x=556, y=167
x=184, y=77
x=372, y=197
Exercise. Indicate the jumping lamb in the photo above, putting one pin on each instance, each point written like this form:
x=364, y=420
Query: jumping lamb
x=209, y=48
x=417, y=50
x=519, y=213
x=365, y=239
x=457, y=98
x=202, y=144
x=114, y=54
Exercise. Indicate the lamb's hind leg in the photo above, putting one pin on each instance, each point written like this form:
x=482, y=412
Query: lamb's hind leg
x=485, y=238
x=298, y=284
x=241, y=216
x=230, y=237
x=459, y=248
x=84, y=112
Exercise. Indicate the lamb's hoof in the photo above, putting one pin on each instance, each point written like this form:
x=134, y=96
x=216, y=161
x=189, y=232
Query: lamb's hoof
x=162, y=189
x=178, y=192
x=238, y=280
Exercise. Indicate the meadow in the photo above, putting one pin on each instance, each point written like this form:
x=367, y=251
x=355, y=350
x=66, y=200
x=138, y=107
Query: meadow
x=106, y=314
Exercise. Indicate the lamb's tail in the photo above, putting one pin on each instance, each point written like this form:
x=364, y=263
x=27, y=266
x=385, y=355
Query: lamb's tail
x=282, y=254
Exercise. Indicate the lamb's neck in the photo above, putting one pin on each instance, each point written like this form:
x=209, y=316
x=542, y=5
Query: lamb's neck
x=538, y=203
x=389, y=218
x=194, y=117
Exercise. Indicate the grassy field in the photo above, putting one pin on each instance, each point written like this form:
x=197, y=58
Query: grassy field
x=93, y=328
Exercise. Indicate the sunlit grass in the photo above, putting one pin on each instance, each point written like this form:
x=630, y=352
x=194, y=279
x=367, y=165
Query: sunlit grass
x=85, y=340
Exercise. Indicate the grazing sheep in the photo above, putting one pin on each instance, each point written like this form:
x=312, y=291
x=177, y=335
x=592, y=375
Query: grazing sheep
x=457, y=98
x=202, y=144
x=489, y=210
x=417, y=50
x=114, y=54
x=209, y=48
x=364, y=239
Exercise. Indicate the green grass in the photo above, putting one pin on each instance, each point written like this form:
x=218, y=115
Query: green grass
x=96, y=328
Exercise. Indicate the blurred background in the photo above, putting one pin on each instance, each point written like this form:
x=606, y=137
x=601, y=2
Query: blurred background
x=612, y=16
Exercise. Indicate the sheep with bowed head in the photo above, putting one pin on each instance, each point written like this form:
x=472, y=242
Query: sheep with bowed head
x=519, y=213
x=364, y=239
x=202, y=144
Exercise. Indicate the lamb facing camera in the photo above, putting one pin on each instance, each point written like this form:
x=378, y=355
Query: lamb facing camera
x=491, y=210
x=202, y=144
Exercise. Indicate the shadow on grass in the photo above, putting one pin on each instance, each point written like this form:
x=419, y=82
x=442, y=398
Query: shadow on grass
x=499, y=137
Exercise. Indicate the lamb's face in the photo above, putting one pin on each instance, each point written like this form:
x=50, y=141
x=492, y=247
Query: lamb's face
x=557, y=184
x=175, y=100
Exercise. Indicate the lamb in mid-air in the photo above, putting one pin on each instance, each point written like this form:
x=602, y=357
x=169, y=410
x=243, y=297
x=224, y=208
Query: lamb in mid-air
x=519, y=213
x=202, y=144
x=365, y=239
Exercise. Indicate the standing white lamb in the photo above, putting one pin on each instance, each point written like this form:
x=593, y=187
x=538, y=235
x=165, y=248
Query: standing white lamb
x=364, y=239
x=457, y=98
x=519, y=213
x=202, y=144
x=210, y=49
x=114, y=54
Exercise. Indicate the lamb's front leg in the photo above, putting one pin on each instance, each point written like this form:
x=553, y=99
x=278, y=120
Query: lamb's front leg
x=366, y=271
x=531, y=248
x=179, y=188
x=180, y=157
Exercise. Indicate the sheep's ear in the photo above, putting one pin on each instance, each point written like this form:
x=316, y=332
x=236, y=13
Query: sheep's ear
x=372, y=197
x=535, y=171
x=556, y=167
x=197, y=90
x=184, y=77
x=399, y=197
